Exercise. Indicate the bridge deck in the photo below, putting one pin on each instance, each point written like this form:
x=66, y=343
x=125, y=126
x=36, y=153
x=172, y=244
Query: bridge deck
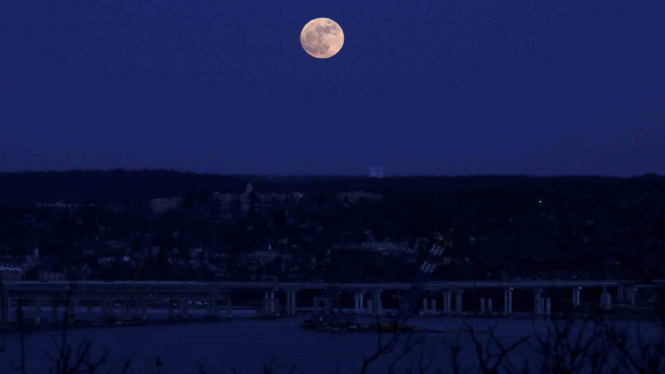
x=128, y=286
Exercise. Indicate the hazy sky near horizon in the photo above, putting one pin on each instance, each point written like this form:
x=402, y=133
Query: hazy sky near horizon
x=439, y=87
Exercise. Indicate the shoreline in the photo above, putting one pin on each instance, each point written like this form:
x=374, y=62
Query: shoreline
x=201, y=318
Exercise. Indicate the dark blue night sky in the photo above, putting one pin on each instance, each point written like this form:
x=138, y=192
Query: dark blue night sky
x=541, y=87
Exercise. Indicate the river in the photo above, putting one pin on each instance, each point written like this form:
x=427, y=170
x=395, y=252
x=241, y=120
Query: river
x=247, y=345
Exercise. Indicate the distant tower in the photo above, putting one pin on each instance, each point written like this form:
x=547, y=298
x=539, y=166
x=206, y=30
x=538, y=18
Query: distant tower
x=245, y=198
x=376, y=172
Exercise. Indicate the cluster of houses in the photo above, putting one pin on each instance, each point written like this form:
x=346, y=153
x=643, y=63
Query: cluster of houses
x=261, y=200
x=245, y=200
x=10, y=273
x=111, y=251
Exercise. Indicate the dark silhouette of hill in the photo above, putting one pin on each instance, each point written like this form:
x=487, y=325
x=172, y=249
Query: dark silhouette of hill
x=502, y=226
x=114, y=185
x=142, y=185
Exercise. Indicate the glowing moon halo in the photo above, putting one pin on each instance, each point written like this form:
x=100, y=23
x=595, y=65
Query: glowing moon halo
x=322, y=38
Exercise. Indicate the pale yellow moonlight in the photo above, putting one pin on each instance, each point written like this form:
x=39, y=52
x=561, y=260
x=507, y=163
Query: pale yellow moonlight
x=322, y=38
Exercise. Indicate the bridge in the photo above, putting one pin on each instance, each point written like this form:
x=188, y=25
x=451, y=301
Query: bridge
x=126, y=299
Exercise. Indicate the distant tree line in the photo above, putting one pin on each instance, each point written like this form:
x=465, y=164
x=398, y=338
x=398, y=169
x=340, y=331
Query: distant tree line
x=501, y=226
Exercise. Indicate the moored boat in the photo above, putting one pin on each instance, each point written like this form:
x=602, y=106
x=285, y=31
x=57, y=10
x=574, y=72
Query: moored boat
x=346, y=327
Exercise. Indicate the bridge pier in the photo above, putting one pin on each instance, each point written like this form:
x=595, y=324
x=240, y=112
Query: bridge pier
x=447, y=301
x=326, y=305
x=108, y=309
x=269, y=307
x=291, y=309
x=215, y=308
x=605, y=300
x=576, y=296
x=360, y=302
x=294, y=301
x=272, y=303
x=269, y=302
x=608, y=302
x=33, y=294
x=37, y=311
x=376, y=296
x=458, y=301
x=184, y=308
x=130, y=309
x=20, y=316
x=69, y=311
x=212, y=307
x=620, y=294
x=508, y=300
x=229, y=306
x=4, y=309
x=537, y=301
x=127, y=313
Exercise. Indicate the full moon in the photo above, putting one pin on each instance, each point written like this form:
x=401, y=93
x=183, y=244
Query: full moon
x=322, y=38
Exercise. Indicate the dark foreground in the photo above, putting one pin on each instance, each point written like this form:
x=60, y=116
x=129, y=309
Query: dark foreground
x=259, y=346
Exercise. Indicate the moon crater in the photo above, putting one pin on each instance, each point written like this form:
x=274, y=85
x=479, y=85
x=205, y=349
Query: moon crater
x=322, y=38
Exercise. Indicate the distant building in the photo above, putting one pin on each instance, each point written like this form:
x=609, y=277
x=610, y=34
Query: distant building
x=376, y=172
x=269, y=198
x=264, y=199
x=245, y=198
x=354, y=197
x=61, y=205
x=269, y=279
x=10, y=273
x=164, y=205
x=384, y=247
x=195, y=252
x=50, y=276
x=263, y=257
x=33, y=258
